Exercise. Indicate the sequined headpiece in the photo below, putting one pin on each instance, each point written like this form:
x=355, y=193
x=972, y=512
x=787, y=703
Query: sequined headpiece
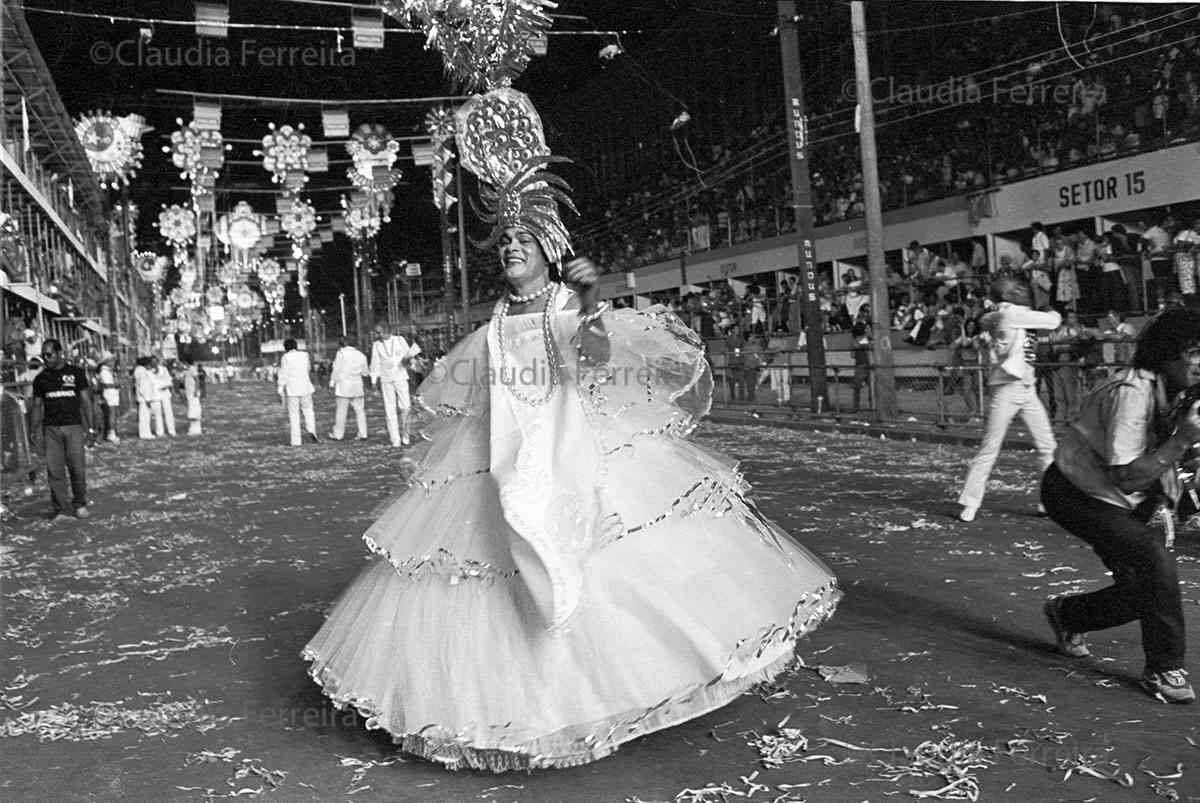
x=500, y=140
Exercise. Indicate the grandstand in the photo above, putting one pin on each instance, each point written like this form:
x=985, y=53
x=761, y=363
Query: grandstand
x=1086, y=121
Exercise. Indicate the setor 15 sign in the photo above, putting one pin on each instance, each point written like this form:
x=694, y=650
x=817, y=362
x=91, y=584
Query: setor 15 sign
x=1102, y=188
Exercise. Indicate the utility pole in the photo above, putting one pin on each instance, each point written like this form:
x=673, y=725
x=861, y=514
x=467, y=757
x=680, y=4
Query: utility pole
x=358, y=258
x=462, y=251
x=886, y=408
x=796, y=119
x=448, y=271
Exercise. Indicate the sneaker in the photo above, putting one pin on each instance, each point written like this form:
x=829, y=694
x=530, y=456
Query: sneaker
x=312, y=436
x=405, y=441
x=1170, y=686
x=112, y=438
x=82, y=513
x=1070, y=644
x=968, y=513
x=331, y=437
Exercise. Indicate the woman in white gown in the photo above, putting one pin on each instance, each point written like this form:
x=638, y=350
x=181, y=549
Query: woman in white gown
x=566, y=572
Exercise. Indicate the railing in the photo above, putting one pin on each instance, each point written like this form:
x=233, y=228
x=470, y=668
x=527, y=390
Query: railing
x=945, y=394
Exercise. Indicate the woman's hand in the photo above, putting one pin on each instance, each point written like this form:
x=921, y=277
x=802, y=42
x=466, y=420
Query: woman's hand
x=582, y=274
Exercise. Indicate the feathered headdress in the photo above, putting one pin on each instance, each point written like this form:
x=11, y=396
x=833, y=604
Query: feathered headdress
x=500, y=140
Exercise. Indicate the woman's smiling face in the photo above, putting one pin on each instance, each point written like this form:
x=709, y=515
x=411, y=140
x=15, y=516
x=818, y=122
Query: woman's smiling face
x=521, y=257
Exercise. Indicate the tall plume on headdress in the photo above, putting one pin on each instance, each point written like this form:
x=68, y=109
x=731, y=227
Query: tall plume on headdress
x=500, y=140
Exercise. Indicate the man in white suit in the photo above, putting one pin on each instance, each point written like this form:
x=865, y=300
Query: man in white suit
x=296, y=389
x=146, y=392
x=390, y=357
x=346, y=380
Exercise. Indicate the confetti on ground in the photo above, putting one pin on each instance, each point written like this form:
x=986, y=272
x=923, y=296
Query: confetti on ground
x=954, y=761
x=100, y=720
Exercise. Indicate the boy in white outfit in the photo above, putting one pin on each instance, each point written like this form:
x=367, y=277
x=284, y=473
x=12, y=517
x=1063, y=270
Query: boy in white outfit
x=1012, y=386
x=390, y=357
x=166, y=385
x=146, y=389
x=295, y=388
x=346, y=381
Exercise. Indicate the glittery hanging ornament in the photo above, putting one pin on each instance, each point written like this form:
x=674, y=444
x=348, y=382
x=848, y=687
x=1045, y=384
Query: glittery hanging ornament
x=484, y=43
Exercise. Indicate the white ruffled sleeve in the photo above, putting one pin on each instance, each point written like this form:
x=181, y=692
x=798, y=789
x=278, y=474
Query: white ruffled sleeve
x=655, y=380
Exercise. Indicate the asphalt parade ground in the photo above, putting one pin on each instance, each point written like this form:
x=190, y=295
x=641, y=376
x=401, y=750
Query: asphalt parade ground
x=151, y=653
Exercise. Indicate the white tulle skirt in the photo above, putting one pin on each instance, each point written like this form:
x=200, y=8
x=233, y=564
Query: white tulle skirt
x=439, y=643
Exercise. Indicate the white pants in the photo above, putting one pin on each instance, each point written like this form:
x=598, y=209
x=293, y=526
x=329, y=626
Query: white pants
x=360, y=415
x=147, y=411
x=395, y=396
x=167, y=413
x=1007, y=401
x=194, y=412
x=781, y=384
x=295, y=406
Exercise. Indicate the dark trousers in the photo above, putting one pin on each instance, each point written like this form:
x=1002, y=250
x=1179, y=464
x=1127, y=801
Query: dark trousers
x=109, y=415
x=64, y=452
x=1145, y=583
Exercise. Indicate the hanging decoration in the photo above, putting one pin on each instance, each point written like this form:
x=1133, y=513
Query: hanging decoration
x=230, y=272
x=113, y=145
x=150, y=266
x=241, y=232
x=298, y=222
x=268, y=270
x=187, y=277
x=484, y=43
x=362, y=218
x=440, y=124
x=199, y=154
x=373, y=150
x=177, y=225
x=285, y=155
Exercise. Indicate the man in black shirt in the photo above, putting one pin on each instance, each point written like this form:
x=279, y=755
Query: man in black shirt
x=62, y=425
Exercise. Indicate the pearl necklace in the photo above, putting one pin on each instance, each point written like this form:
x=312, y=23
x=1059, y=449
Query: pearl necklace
x=547, y=341
x=526, y=299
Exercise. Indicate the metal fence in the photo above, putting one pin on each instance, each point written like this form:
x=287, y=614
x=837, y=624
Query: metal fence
x=944, y=394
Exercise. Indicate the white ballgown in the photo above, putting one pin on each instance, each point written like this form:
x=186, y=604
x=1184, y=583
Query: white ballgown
x=561, y=578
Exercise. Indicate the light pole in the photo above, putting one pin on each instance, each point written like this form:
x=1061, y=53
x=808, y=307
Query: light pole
x=342, y=303
x=796, y=118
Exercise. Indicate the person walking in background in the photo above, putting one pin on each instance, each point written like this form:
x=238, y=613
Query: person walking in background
x=110, y=397
x=390, y=357
x=62, y=428
x=1012, y=386
x=165, y=384
x=346, y=379
x=146, y=390
x=193, y=392
x=296, y=390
